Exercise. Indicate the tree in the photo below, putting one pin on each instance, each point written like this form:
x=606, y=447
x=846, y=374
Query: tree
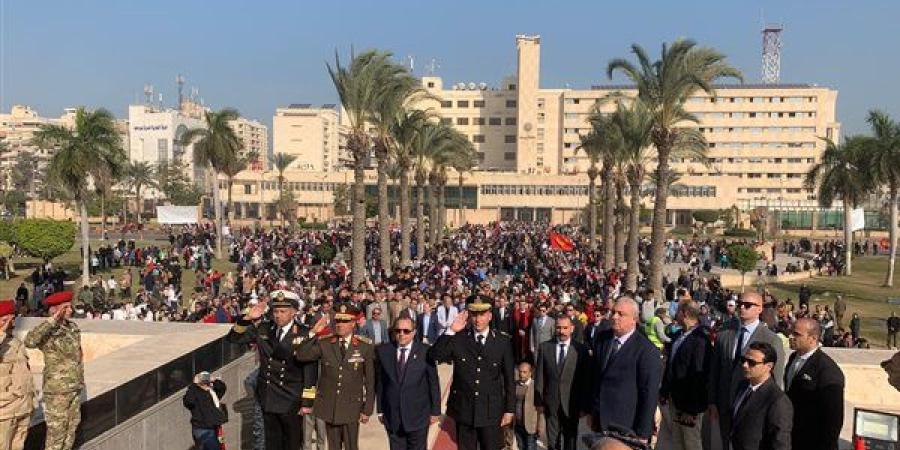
x=139, y=175
x=455, y=144
x=706, y=217
x=85, y=150
x=341, y=202
x=281, y=163
x=215, y=146
x=25, y=174
x=884, y=151
x=433, y=140
x=602, y=143
x=841, y=173
x=664, y=86
x=105, y=178
x=463, y=161
x=743, y=258
x=407, y=131
x=231, y=169
x=44, y=238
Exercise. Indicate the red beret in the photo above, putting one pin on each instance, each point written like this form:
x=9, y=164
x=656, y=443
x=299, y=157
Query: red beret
x=59, y=298
x=7, y=307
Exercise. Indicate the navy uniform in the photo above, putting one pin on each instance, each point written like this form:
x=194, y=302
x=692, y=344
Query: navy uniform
x=284, y=384
x=346, y=388
x=483, y=388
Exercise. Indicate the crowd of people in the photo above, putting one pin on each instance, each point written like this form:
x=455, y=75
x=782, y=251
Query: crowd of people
x=289, y=296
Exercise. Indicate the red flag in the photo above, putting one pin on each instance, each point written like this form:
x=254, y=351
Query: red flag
x=561, y=242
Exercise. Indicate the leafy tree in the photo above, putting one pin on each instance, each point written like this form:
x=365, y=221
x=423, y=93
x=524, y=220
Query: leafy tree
x=885, y=163
x=743, y=258
x=406, y=132
x=44, y=238
x=706, y=217
x=664, y=86
x=324, y=253
x=341, y=200
x=8, y=231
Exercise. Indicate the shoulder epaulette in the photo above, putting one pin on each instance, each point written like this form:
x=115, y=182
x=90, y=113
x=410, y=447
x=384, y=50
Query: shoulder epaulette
x=327, y=336
x=362, y=339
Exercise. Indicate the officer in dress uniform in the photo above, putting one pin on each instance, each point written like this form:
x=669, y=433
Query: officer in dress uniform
x=346, y=389
x=483, y=393
x=285, y=386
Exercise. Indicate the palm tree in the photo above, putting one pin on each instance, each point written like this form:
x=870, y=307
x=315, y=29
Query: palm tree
x=281, y=162
x=231, y=169
x=406, y=132
x=360, y=89
x=215, y=146
x=137, y=176
x=591, y=145
x=106, y=177
x=92, y=145
x=463, y=161
x=432, y=140
x=841, y=174
x=455, y=146
x=664, y=86
x=603, y=143
x=885, y=162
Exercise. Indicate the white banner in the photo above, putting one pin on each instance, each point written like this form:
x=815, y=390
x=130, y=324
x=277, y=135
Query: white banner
x=177, y=215
x=857, y=219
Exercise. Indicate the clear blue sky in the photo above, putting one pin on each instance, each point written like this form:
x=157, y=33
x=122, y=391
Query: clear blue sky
x=255, y=56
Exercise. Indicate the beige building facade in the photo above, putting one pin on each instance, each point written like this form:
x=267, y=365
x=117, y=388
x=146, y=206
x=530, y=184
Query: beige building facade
x=311, y=134
x=255, y=138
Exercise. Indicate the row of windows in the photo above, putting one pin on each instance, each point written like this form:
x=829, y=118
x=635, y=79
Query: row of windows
x=480, y=139
x=474, y=103
x=771, y=190
x=756, y=115
x=577, y=101
x=480, y=121
x=756, y=159
x=762, y=145
x=757, y=129
x=511, y=189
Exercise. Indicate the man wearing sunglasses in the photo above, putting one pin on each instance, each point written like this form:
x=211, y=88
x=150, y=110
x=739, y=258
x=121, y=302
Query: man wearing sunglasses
x=761, y=414
x=407, y=390
x=731, y=344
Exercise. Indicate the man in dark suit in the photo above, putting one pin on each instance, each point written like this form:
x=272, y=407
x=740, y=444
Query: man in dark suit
x=627, y=371
x=598, y=324
x=761, y=415
x=427, y=326
x=577, y=326
x=375, y=328
x=815, y=385
x=285, y=386
x=558, y=382
x=483, y=392
x=502, y=317
x=684, y=386
x=725, y=370
x=406, y=388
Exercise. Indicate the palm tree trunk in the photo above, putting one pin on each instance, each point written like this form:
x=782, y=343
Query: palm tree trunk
x=433, y=211
x=420, y=220
x=358, y=238
x=658, y=232
x=848, y=237
x=609, y=211
x=281, y=198
x=384, y=219
x=460, y=206
x=404, y=218
x=633, y=237
x=592, y=209
x=230, y=204
x=217, y=206
x=442, y=210
x=892, y=235
x=138, y=207
x=85, y=244
x=620, y=223
x=102, y=214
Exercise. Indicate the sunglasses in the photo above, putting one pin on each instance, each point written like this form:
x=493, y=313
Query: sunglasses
x=751, y=362
x=748, y=305
x=403, y=331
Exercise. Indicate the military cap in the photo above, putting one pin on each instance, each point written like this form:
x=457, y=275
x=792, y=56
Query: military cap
x=346, y=311
x=7, y=307
x=59, y=298
x=478, y=303
x=280, y=301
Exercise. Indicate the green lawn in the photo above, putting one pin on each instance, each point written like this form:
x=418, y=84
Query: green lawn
x=863, y=292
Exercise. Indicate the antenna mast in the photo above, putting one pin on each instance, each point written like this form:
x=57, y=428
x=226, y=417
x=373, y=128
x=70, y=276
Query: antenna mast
x=180, y=81
x=771, y=54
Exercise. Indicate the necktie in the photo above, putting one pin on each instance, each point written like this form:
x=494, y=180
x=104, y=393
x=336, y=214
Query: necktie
x=561, y=359
x=279, y=334
x=795, y=367
x=401, y=365
x=738, y=349
x=480, y=339
x=343, y=349
x=741, y=401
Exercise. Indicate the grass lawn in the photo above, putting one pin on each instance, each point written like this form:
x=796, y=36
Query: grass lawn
x=863, y=291
x=71, y=263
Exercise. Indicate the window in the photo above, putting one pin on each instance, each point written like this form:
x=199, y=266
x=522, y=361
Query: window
x=494, y=121
x=446, y=104
x=462, y=120
x=478, y=103
x=248, y=189
x=509, y=139
x=510, y=121
x=540, y=103
x=431, y=84
x=509, y=156
x=540, y=133
x=539, y=147
x=751, y=115
x=162, y=149
x=462, y=104
x=479, y=121
x=510, y=103
x=478, y=139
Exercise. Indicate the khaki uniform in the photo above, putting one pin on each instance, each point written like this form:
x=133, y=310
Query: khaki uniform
x=63, y=379
x=16, y=394
x=346, y=385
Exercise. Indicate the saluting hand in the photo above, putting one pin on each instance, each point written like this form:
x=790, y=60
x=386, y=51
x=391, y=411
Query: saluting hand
x=257, y=311
x=320, y=324
x=459, y=322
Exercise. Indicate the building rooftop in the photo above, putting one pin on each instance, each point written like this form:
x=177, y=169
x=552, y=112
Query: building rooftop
x=609, y=87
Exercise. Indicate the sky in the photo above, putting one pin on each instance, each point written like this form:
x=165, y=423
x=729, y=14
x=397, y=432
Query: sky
x=256, y=56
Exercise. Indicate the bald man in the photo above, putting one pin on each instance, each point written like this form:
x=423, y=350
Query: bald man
x=726, y=371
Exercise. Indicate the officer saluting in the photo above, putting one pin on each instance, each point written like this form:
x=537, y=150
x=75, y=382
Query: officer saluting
x=285, y=387
x=482, y=395
x=346, y=390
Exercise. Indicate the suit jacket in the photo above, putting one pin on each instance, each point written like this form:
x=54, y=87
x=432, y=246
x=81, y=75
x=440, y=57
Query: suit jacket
x=507, y=325
x=726, y=373
x=530, y=414
x=592, y=331
x=406, y=400
x=368, y=331
x=346, y=385
x=431, y=332
x=541, y=334
x=284, y=383
x=625, y=384
x=555, y=387
x=764, y=421
x=482, y=389
x=686, y=376
x=817, y=394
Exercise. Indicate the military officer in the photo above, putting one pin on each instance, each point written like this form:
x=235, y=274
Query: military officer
x=285, y=386
x=483, y=394
x=59, y=339
x=346, y=389
x=17, y=387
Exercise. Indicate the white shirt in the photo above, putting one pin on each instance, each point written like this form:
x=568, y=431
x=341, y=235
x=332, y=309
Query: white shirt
x=798, y=363
x=750, y=329
x=408, y=350
x=483, y=333
x=284, y=330
x=560, y=346
x=624, y=338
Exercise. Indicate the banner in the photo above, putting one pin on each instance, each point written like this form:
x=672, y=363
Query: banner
x=177, y=215
x=857, y=219
x=561, y=242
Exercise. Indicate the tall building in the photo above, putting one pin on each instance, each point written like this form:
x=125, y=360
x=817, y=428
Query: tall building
x=155, y=136
x=309, y=133
x=254, y=137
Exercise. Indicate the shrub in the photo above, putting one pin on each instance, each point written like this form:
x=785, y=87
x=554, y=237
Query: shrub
x=740, y=232
x=8, y=231
x=44, y=238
